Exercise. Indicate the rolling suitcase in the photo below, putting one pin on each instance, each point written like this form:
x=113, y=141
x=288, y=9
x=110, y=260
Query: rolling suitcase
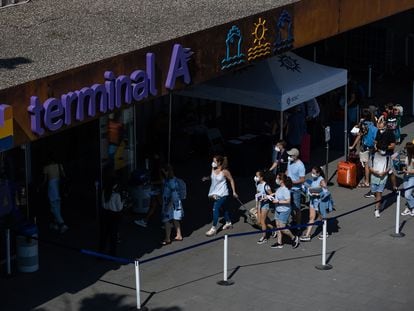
x=347, y=174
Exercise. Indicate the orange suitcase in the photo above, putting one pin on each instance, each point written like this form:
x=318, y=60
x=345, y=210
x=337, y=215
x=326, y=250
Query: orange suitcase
x=347, y=174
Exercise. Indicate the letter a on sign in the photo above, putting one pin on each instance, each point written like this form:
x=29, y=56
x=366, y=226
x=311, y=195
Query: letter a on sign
x=178, y=66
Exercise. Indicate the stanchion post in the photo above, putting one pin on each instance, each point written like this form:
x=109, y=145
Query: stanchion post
x=225, y=281
x=397, y=233
x=324, y=265
x=138, y=287
x=8, y=257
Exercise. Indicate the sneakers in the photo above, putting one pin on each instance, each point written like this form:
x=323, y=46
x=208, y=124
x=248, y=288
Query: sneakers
x=305, y=238
x=262, y=240
x=141, y=222
x=377, y=213
x=212, y=231
x=228, y=225
x=276, y=245
x=320, y=237
x=407, y=212
x=295, y=242
x=369, y=194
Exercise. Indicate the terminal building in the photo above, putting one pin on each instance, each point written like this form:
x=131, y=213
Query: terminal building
x=109, y=84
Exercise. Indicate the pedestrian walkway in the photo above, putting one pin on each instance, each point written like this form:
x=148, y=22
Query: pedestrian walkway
x=371, y=270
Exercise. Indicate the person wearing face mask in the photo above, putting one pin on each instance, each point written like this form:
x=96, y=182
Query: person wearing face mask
x=280, y=158
x=296, y=171
x=316, y=189
x=219, y=192
x=282, y=200
x=385, y=143
x=263, y=189
x=379, y=166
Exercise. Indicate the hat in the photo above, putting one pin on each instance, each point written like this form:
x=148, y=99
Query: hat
x=293, y=152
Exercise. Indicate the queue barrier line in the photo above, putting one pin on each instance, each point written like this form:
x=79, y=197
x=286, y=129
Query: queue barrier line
x=127, y=261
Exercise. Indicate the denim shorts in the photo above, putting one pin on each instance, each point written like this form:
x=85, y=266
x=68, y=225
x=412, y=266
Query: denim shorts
x=265, y=205
x=283, y=217
x=377, y=187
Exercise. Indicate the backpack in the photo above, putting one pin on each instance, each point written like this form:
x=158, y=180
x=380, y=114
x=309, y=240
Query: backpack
x=371, y=132
x=182, y=188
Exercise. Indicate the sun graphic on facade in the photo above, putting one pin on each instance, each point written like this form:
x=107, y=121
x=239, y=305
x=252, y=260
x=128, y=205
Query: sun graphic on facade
x=259, y=31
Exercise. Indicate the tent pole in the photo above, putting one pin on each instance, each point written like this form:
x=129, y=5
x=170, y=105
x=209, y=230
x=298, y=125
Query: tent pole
x=346, y=122
x=169, y=128
x=281, y=125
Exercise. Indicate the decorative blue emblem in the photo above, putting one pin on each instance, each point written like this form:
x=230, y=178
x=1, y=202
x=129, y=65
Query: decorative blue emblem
x=284, y=33
x=233, y=42
x=289, y=63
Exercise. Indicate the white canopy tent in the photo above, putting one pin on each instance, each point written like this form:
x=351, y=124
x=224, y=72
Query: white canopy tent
x=277, y=83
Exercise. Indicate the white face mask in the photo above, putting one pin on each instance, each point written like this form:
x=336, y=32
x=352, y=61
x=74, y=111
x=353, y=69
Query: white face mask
x=277, y=181
x=291, y=159
x=314, y=175
x=256, y=179
x=277, y=149
x=213, y=164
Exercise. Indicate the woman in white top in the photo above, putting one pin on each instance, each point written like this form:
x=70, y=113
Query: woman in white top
x=409, y=180
x=219, y=191
x=263, y=189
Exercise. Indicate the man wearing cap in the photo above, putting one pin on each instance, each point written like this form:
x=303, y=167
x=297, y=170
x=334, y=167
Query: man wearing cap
x=296, y=171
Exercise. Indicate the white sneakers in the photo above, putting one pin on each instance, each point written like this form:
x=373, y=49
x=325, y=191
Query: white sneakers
x=377, y=213
x=212, y=231
x=228, y=225
x=408, y=212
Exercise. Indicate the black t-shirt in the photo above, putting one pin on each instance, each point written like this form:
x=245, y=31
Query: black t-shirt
x=384, y=140
x=282, y=159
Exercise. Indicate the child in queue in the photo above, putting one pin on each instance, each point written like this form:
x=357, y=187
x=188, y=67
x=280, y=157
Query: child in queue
x=263, y=189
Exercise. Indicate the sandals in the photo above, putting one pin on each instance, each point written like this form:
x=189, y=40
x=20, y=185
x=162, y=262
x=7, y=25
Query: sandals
x=363, y=185
x=175, y=239
x=163, y=243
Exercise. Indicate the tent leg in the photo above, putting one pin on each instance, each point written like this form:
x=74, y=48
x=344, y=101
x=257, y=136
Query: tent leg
x=281, y=126
x=169, y=128
x=346, y=122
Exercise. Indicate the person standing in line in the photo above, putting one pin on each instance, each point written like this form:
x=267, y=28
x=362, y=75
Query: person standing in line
x=53, y=173
x=366, y=136
x=296, y=172
x=385, y=141
x=280, y=158
x=262, y=202
x=316, y=188
x=409, y=180
x=112, y=206
x=172, y=207
x=219, y=192
x=282, y=200
x=379, y=165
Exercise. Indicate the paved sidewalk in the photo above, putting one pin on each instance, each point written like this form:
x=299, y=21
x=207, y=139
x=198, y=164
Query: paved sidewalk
x=371, y=270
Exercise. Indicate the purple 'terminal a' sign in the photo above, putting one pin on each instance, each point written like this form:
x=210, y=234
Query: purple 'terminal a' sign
x=112, y=94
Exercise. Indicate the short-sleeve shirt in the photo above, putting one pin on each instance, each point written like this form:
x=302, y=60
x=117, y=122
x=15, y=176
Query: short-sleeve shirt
x=282, y=194
x=281, y=158
x=380, y=163
x=295, y=171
